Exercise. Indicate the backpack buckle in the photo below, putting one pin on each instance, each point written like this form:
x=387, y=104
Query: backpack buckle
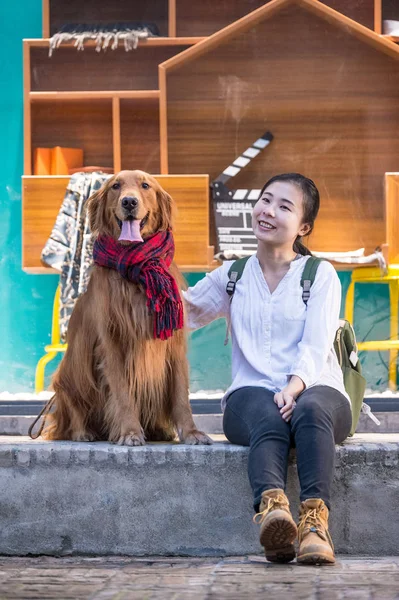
x=306, y=290
x=231, y=284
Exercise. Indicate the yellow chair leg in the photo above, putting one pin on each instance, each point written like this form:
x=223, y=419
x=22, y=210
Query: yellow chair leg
x=55, y=324
x=41, y=365
x=393, y=354
x=350, y=302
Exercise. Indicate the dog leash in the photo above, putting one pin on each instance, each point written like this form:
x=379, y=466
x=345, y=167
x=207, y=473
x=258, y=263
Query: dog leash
x=43, y=413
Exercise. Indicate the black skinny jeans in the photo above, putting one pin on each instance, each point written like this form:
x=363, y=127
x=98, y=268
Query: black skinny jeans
x=322, y=418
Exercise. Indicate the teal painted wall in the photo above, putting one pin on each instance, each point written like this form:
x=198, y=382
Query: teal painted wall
x=26, y=300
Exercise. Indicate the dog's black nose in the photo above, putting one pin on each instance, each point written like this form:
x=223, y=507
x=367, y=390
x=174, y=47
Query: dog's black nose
x=129, y=202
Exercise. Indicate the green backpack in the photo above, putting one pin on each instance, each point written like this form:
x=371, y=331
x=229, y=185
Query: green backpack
x=344, y=343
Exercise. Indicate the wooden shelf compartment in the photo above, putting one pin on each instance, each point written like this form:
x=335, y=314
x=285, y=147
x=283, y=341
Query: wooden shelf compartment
x=119, y=130
x=390, y=10
x=208, y=16
x=42, y=198
x=370, y=13
x=75, y=124
x=139, y=135
x=361, y=11
x=69, y=70
x=57, y=13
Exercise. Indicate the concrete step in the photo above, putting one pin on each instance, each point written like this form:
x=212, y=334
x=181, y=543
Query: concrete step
x=211, y=423
x=170, y=499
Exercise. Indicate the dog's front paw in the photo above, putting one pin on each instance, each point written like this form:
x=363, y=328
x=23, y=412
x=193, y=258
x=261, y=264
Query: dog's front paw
x=196, y=437
x=131, y=439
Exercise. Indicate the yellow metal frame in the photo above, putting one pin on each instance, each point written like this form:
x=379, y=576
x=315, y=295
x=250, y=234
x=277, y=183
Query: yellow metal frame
x=373, y=275
x=51, y=349
x=359, y=275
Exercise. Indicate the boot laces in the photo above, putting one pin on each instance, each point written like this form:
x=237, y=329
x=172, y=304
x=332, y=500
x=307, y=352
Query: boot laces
x=271, y=505
x=310, y=521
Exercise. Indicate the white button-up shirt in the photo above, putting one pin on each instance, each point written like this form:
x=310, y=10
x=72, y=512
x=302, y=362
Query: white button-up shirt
x=274, y=335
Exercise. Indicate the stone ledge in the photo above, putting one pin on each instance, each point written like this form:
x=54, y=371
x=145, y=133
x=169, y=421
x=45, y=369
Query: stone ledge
x=212, y=423
x=23, y=452
x=170, y=499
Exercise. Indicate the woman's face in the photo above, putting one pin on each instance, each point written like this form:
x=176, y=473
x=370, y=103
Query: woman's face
x=277, y=216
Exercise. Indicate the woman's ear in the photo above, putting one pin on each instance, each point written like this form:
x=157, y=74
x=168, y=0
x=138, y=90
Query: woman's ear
x=305, y=230
x=167, y=209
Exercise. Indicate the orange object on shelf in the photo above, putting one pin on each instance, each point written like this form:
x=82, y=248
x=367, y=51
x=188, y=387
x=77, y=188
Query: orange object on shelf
x=42, y=161
x=64, y=159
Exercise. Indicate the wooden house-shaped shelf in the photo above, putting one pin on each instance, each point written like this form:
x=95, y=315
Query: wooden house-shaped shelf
x=324, y=85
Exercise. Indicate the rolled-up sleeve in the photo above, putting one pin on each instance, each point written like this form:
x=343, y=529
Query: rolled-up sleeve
x=322, y=319
x=208, y=299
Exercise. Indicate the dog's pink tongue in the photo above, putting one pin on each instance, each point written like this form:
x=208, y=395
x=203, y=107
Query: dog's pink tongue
x=131, y=231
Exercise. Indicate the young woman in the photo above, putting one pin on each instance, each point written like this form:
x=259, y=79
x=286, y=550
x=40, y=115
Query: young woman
x=287, y=387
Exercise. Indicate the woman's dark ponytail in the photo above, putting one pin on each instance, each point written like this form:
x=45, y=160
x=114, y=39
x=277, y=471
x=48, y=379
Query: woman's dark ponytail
x=311, y=203
x=300, y=248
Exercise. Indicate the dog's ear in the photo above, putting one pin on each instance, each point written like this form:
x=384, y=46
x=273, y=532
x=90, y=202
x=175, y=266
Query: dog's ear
x=167, y=209
x=97, y=209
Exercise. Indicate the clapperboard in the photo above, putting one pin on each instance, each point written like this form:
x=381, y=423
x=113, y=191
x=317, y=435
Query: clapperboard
x=233, y=208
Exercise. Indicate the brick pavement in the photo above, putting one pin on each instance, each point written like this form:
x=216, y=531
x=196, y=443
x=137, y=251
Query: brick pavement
x=119, y=578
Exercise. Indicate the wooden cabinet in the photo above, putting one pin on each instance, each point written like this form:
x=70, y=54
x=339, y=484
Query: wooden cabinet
x=160, y=109
x=41, y=202
x=96, y=101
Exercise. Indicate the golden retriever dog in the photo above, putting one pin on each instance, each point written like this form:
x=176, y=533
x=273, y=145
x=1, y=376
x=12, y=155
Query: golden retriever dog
x=118, y=381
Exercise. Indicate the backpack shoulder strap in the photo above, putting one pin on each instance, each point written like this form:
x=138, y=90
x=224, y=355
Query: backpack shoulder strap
x=235, y=272
x=309, y=275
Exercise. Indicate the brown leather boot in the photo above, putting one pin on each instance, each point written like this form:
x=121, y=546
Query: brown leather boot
x=277, y=527
x=315, y=543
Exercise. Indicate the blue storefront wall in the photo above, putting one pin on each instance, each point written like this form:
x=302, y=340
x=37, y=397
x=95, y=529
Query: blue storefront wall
x=26, y=300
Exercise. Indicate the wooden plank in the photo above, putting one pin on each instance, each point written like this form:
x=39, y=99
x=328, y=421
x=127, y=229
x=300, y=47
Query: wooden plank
x=42, y=198
x=144, y=43
x=89, y=95
x=378, y=16
x=172, y=18
x=116, y=133
x=163, y=121
x=46, y=18
x=27, y=112
x=392, y=216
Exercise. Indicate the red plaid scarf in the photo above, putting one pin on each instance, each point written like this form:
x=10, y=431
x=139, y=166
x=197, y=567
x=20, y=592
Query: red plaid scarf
x=146, y=263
